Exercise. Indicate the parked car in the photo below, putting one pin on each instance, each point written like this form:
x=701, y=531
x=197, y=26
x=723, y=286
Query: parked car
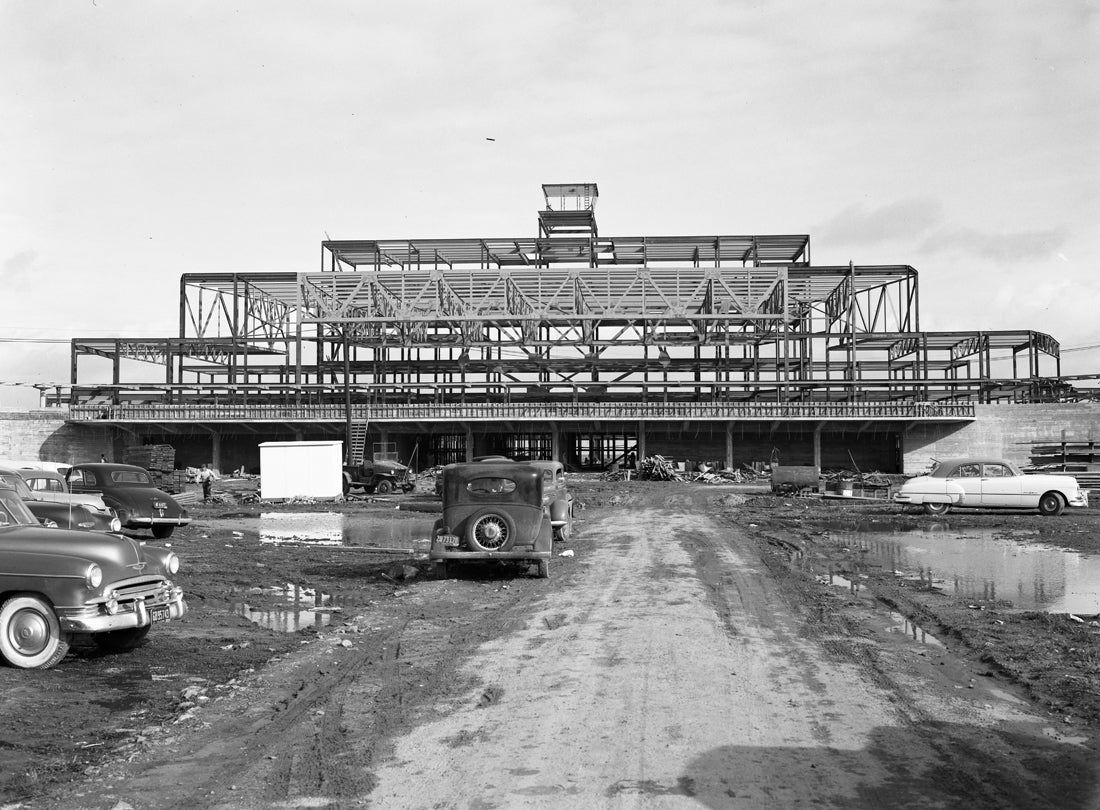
x=49, y=487
x=67, y=512
x=495, y=510
x=57, y=584
x=990, y=483
x=556, y=497
x=129, y=490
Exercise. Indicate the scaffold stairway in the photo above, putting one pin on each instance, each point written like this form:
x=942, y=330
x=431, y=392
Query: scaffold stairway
x=357, y=441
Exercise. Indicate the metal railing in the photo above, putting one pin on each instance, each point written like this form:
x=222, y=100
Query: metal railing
x=501, y=411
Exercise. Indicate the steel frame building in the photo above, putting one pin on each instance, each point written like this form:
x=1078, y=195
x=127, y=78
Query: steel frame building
x=566, y=330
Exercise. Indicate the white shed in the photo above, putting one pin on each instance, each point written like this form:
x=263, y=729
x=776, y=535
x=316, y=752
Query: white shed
x=307, y=469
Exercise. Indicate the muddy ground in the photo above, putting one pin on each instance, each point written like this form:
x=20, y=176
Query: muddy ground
x=70, y=736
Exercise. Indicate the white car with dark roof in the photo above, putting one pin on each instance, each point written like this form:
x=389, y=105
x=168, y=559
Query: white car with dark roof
x=989, y=483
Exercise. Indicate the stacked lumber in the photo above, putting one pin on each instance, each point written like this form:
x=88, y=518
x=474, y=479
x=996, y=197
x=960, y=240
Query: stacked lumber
x=160, y=457
x=160, y=461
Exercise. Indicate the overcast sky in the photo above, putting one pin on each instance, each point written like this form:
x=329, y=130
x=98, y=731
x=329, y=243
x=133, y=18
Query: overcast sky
x=142, y=140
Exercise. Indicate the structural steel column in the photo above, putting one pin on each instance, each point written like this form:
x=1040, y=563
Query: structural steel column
x=555, y=442
x=641, y=440
x=469, y=443
x=729, y=445
x=817, y=445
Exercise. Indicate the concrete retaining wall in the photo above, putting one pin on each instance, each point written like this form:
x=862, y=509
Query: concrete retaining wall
x=42, y=435
x=1004, y=431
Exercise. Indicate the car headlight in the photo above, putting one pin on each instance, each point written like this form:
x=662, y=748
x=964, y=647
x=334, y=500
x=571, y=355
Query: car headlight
x=116, y=524
x=172, y=563
x=93, y=576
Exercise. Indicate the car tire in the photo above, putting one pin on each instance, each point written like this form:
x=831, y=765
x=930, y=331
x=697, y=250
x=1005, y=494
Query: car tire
x=542, y=569
x=937, y=508
x=1051, y=504
x=489, y=530
x=384, y=487
x=439, y=569
x=163, y=532
x=347, y=484
x=117, y=641
x=30, y=635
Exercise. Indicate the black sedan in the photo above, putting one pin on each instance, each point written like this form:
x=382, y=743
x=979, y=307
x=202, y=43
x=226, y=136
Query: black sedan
x=130, y=492
x=70, y=513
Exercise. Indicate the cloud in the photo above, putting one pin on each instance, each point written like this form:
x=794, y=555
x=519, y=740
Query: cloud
x=904, y=220
x=20, y=267
x=1020, y=246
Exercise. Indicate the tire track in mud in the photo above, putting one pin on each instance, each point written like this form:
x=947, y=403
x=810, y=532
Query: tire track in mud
x=979, y=761
x=306, y=730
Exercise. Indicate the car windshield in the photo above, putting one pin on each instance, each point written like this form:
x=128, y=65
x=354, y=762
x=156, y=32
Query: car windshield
x=17, y=483
x=130, y=478
x=13, y=512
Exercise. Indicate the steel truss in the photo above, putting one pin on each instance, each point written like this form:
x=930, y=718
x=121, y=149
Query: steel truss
x=604, y=319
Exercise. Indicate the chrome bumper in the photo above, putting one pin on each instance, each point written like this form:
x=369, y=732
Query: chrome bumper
x=95, y=618
x=158, y=521
x=445, y=554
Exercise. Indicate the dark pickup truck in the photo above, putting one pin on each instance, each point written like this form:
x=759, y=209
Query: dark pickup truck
x=379, y=477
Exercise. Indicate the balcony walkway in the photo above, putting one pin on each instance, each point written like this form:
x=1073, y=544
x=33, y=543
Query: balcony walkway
x=393, y=413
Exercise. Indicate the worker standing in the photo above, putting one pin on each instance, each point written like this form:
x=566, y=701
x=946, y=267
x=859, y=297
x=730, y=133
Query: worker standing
x=206, y=478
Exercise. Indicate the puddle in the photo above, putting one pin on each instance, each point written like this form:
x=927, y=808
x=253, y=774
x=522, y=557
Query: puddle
x=312, y=528
x=837, y=581
x=985, y=564
x=307, y=608
x=905, y=627
x=400, y=534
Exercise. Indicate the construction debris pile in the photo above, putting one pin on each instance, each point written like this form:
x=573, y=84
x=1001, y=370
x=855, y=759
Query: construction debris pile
x=659, y=468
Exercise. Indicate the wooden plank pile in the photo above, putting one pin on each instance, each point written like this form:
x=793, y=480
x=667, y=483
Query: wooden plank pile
x=160, y=461
x=160, y=457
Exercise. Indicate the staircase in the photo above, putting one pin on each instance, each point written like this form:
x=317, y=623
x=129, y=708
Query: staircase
x=357, y=442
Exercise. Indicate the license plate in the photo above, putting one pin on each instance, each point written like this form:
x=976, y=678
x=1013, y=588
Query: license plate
x=448, y=540
x=159, y=613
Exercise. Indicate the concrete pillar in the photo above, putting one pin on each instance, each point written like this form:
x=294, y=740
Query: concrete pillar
x=817, y=445
x=641, y=440
x=555, y=442
x=215, y=450
x=469, y=443
x=729, y=445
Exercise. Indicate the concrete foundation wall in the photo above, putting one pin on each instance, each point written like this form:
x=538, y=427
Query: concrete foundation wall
x=1003, y=431
x=43, y=435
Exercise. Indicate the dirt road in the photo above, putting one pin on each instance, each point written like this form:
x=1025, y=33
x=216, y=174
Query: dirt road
x=665, y=665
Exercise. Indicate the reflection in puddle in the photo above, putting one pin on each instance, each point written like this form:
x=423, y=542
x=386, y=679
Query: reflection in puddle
x=314, y=528
x=914, y=631
x=308, y=608
x=399, y=533
x=984, y=564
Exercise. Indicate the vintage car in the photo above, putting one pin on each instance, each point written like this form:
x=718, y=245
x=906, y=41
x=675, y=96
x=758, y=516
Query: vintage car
x=57, y=584
x=989, y=483
x=129, y=490
x=498, y=510
x=49, y=499
x=556, y=497
x=379, y=477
